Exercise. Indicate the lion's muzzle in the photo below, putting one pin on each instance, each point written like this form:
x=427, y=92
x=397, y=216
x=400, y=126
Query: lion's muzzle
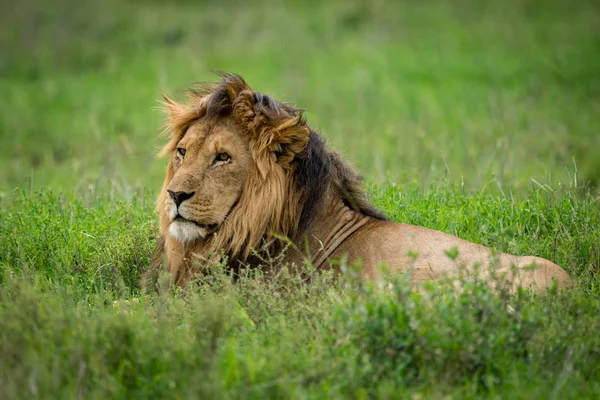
x=185, y=223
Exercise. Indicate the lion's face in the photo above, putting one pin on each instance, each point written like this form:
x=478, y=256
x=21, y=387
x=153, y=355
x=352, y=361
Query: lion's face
x=209, y=169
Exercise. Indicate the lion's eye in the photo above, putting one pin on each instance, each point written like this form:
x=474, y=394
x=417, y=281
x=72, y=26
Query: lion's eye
x=181, y=152
x=222, y=157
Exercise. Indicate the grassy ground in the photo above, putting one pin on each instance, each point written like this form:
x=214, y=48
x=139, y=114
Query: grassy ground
x=477, y=118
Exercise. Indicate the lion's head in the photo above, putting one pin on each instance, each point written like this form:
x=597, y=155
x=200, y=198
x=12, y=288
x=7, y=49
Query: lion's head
x=238, y=170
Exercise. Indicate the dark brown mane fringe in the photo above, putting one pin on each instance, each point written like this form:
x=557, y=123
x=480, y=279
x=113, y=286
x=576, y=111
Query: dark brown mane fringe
x=313, y=173
x=350, y=185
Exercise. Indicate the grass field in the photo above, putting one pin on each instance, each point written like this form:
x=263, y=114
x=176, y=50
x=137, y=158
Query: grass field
x=478, y=118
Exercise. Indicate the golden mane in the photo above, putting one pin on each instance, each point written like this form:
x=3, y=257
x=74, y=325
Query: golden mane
x=294, y=170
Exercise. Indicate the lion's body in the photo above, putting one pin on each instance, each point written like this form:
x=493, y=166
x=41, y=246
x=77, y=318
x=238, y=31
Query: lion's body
x=429, y=254
x=246, y=173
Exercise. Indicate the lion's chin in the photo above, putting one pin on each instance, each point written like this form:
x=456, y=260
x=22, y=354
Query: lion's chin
x=186, y=231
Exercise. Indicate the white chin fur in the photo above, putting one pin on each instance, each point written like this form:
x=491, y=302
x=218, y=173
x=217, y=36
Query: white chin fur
x=184, y=231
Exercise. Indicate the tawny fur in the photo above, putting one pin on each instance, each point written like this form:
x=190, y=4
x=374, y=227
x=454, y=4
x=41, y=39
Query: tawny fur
x=279, y=181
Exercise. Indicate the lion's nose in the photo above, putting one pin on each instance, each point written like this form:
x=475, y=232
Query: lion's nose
x=179, y=197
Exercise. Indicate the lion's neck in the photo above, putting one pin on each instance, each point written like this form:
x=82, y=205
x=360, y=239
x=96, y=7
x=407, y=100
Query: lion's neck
x=328, y=232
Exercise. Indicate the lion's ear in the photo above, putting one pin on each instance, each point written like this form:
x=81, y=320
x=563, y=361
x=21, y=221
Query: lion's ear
x=280, y=144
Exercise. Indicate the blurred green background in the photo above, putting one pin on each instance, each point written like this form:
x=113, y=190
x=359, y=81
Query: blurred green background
x=481, y=93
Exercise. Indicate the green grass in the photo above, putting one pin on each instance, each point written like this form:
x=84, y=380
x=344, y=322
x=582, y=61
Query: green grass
x=477, y=118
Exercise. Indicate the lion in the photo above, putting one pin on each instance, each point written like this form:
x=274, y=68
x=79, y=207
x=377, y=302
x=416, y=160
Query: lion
x=247, y=178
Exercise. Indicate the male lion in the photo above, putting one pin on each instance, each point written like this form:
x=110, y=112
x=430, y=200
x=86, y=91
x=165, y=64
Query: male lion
x=246, y=172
